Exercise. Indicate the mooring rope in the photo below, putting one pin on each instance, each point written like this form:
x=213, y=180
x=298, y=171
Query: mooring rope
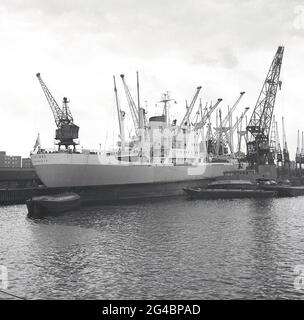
x=12, y=295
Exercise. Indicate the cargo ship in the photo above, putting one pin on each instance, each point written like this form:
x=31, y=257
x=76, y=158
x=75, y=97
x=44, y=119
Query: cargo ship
x=160, y=160
x=117, y=175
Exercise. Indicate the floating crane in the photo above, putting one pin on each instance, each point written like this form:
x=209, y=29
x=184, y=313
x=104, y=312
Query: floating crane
x=66, y=130
x=186, y=117
x=258, y=149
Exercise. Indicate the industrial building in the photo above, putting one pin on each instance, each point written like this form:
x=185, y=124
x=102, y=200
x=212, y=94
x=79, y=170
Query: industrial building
x=9, y=161
x=27, y=163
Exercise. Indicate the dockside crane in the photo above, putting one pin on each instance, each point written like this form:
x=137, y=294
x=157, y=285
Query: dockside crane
x=298, y=151
x=66, y=131
x=221, y=148
x=302, y=149
x=187, y=115
x=210, y=139
x=258, y=149
x=272, y=142
x=285, y=148
x=200, y=112
x=279, y=154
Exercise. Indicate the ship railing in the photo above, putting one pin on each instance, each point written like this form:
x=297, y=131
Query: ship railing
x=71, y=151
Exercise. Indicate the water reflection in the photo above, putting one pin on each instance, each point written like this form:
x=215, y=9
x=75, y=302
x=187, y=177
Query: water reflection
x=168, y=249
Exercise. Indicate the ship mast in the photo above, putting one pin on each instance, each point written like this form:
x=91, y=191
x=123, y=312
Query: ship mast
x=165, y=99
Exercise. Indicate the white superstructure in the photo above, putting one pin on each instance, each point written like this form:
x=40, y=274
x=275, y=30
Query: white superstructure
x=159, y=154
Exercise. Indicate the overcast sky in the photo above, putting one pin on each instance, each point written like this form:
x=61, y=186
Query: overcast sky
x=78, y=45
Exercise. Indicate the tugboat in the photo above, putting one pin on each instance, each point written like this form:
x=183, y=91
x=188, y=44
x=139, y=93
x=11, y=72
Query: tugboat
x=229, y=189
x=52, y=204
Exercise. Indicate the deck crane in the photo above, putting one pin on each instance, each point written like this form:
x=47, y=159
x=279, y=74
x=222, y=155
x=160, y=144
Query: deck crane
x=121, y=116
x=207, y=115
x=272, y=142
x=200, y=111
x=205, y=121
x=242, y=135
x=220, y=143
x=278, y=145
x=226, y=119
x=186, y=117
x=66, y=130
x=223, y=128
x=239, y=120
x=298, y=152
x=210, y=139
x=302, y=149
x=258, y=149
x=285, y=148
x=231, y=131
x=132, y=105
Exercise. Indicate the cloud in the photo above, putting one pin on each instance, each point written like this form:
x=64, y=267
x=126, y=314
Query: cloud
x=226, y=46
x=299, y=19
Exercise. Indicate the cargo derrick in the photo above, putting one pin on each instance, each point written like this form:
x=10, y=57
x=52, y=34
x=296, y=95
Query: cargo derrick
x=224, y=137
x=66, y=130
x=135, y=110
x=232, y=129
x=206, y=116
x=121, y=117
x=258, y=148
x=241, y=134
x=206, y=121
x=189, y=109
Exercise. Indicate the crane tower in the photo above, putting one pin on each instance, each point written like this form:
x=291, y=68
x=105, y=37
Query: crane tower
x=258, y=148
x=66, y=130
